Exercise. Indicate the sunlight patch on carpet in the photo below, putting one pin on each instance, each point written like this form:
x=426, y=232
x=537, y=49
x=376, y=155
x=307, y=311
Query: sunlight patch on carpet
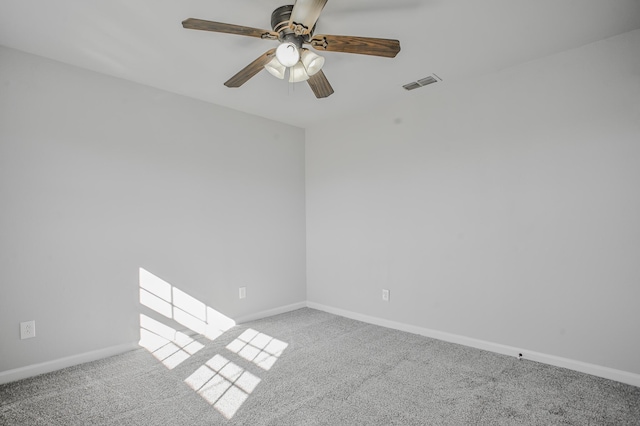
x=259, y=348
x=169, y=346
x=223, y=384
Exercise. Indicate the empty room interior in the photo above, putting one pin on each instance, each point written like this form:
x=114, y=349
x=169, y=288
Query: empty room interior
x=458, y=199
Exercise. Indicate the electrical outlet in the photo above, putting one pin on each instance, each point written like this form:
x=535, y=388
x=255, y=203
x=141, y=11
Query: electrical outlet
x=27, y=329
x=242, y=292
x=385, y=295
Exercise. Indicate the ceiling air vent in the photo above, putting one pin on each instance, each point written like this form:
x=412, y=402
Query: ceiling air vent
x=422, y=82
x=412, y=86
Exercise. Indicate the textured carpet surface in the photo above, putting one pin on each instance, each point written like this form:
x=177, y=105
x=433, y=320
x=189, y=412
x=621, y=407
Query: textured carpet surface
x=312, y=368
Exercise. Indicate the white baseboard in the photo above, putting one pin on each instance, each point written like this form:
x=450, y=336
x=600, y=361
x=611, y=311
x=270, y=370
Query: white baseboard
x=57, y=364
x=583, y=367
x=271, y=312
x=595, y=370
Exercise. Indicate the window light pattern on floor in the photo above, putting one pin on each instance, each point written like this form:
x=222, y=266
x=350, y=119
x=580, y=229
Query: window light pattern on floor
x=259, y=348
x=220, y=382
x=168, y=345
x=223, y=384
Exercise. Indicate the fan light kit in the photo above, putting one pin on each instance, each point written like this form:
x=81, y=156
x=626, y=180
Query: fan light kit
x=293, y=26
x=287, y=54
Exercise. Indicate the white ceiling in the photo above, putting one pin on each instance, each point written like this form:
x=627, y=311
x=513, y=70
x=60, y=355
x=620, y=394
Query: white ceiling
x=143, y=41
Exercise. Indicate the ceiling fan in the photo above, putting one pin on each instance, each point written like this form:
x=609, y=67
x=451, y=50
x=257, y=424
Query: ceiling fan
x=293, y=26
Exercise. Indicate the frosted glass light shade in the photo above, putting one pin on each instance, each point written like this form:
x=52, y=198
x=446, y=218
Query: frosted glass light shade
x=297, y=73
x=312, y=62
x=275, y=68
x=288, y=54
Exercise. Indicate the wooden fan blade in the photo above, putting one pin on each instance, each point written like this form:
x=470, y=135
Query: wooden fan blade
x=220, y=27
x=320, y=85
x=250, y=70
x=304, y=15
x=361, y=45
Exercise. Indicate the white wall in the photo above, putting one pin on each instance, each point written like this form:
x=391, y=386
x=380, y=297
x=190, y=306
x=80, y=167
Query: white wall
x=505, y=209
x=99, y=177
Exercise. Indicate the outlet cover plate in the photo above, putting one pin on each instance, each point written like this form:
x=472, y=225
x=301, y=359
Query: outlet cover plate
x=27, y=329
x=385, y=295
x=242, y=292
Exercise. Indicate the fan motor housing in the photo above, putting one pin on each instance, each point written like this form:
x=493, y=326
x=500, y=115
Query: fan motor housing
x=280, y=24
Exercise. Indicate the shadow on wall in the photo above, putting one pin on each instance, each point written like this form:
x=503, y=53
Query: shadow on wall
x=222, y=383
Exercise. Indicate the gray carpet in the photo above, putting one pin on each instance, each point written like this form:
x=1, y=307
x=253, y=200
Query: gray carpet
x=312, y=368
